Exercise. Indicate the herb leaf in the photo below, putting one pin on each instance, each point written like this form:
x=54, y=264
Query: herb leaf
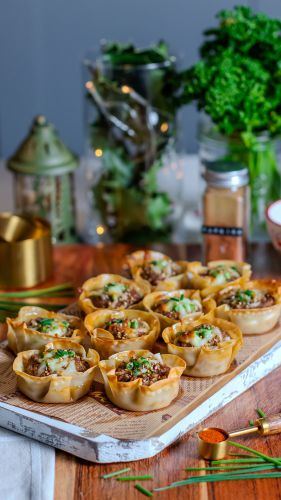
x=60, y=353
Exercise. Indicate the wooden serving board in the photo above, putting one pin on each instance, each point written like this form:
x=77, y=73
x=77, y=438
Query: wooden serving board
x=96, y=430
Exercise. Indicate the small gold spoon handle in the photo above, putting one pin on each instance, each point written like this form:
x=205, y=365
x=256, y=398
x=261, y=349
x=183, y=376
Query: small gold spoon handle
x=264, y=426
x=242, y=432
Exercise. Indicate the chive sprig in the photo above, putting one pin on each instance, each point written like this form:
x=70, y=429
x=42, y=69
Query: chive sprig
x=116, y=473
x=41, y=292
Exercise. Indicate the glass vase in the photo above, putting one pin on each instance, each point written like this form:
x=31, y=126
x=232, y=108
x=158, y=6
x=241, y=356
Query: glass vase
x=133, y=177
x=262, y=156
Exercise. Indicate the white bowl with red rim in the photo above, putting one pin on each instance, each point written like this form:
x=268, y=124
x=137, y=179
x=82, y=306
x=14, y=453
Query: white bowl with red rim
x=273, y=222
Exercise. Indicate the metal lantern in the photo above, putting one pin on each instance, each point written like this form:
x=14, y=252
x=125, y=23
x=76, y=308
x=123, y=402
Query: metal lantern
x=43, y=179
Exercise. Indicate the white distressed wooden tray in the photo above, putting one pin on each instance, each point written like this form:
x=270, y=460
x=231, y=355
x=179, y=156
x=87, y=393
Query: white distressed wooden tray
x=104, y=448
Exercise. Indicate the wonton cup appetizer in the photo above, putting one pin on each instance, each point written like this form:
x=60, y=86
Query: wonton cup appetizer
x=111, y=291
x=207, y=346
x=140, y=380
x=116, y=331
x=157, y=270
x=216, y=275
x=34, y=327
x=172, y=307
x=58, y=373
x=255, y=306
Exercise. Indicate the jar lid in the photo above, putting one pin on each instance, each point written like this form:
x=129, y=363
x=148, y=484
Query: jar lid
x=42, y=152
x=224, y=174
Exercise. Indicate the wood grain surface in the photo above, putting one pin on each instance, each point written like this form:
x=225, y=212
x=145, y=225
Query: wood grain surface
x=77, y=479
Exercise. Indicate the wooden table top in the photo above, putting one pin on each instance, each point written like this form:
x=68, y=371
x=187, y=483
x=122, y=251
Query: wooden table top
x=78, y=479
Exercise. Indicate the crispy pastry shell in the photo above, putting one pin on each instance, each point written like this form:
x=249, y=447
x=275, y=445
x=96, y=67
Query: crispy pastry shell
x=105, y=343
x=53, y=388
x=136, y=261
x=153, y=298
x=253, y=321
x=99, y=282
x=133, y=395
x=201, y=361
x=22, y=338
x=206, y=283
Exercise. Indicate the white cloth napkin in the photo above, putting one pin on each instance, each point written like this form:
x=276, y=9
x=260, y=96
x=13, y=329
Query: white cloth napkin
x=27, y=468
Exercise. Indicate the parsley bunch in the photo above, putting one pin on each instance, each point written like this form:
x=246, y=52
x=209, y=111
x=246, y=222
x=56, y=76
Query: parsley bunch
x=237, y=82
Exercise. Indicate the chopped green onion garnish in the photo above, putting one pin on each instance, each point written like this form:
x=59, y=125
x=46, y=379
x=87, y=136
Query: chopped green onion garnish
x=143, y=490
x=260, y=413
x=116, y=473
x=60, y=353
x=134, y=324
x=134, y=478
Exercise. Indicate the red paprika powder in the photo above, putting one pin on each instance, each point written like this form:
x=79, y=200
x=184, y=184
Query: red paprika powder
x=212, y=436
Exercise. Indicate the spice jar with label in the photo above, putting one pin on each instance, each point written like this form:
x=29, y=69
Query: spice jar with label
x=225, y=211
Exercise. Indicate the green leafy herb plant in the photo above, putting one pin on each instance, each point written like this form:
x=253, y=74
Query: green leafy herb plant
x=237, y=83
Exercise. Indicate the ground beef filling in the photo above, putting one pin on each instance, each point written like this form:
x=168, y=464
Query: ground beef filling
x=156, y=271
x=55, y=361
x=115, y=296
x=177, y=307
x=247, y=299
x=125, y=328
x=222, y=274
x=56, y=327
x=149, y=370
x=205, y=334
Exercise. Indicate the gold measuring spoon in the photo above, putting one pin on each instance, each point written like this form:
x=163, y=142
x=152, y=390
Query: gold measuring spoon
x=217, y=451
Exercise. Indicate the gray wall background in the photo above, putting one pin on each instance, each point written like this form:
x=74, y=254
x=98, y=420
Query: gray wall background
x=43, y=42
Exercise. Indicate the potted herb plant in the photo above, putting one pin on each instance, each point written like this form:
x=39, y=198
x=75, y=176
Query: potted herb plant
x=237, y=85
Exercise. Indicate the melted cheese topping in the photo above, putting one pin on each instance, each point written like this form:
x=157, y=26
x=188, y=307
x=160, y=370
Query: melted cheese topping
x=202, y=335
x=53, y=326
x=222, y=274
x=159, y=265
x=182, y=305
x=57, y=362
x=129, y=328
x=114, y=290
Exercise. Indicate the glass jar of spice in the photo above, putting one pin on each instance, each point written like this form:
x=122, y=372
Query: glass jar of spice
x=225, y=211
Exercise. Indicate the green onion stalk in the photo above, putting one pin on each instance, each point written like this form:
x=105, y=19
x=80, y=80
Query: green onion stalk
x=11, y=302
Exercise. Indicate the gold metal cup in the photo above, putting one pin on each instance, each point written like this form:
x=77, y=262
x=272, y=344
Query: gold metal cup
x=212, y=451
x=25, y=251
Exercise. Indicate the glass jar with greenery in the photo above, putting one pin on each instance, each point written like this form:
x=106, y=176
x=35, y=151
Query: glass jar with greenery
x=132, y=132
